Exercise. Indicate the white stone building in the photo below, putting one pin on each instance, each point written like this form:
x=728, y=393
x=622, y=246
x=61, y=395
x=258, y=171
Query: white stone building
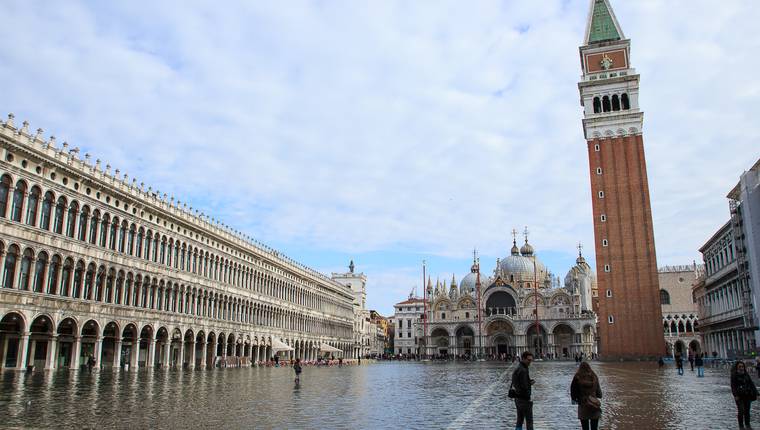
x=680, y=318
x=365, y=336
x=522, y=307
x=407, y=326
x=94, y=263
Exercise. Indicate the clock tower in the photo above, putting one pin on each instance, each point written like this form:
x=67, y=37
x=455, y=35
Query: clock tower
x=630, y=319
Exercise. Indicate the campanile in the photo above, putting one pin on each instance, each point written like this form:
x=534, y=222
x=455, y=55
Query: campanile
x=630, y=320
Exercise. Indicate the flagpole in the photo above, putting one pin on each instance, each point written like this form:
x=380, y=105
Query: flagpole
x=480, y=319
x=424, y=308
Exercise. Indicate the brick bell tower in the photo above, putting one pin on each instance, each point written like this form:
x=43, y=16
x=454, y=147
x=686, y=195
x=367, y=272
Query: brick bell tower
x=630, y=319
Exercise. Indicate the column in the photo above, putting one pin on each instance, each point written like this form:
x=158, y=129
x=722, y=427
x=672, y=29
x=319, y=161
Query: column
x=51, y=350
x=181, y=358
x=117, y=353
x=204, y=352
x=151, y=362
x=167, y=349
x=191, y=358
x=22, y=354
x=77, y=350
x=97, y=352
x=30, y=353
x=135, y=355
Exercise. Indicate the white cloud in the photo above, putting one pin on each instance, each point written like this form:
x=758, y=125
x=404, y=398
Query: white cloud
x=373, y=126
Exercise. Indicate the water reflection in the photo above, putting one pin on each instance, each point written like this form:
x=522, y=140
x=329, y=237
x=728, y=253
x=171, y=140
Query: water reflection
x=403, y=395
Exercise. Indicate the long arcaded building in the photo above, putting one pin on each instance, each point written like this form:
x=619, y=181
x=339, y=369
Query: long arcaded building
x=95, y=264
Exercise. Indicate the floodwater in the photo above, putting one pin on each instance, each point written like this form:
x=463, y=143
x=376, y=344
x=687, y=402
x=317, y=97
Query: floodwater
x=381, y=395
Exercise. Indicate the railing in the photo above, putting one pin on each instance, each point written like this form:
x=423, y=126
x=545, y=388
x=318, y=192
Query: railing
x=501, y=311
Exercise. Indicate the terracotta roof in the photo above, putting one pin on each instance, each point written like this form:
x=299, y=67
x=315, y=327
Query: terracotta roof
x=410, y=302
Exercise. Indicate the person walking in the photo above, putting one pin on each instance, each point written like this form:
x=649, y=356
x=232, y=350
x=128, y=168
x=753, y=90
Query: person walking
x=744, y=391
x=521, y=384
x=691, y=359
x=586, y=392
x=699, y=361
x=297, y=368
x=679, y=363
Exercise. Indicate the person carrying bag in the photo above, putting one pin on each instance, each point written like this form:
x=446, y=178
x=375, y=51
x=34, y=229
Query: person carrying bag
x=586, y=392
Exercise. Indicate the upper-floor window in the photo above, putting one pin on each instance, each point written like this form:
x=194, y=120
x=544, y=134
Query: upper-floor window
x=664, y=297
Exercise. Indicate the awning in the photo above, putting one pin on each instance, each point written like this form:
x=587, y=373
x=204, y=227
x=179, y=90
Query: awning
x=278, y=346
x=327, y=348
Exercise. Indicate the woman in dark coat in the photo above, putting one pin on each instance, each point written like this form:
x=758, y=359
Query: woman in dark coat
x=586, y=392
x=744, y=391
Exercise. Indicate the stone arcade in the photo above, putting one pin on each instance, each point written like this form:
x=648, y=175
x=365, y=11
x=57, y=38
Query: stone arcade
x=95, y=264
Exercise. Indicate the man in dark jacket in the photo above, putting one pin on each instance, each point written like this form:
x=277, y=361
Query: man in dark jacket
x=522, y=383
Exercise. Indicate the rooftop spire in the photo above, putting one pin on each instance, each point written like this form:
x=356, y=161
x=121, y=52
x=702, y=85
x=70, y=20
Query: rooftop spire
x=602, y=25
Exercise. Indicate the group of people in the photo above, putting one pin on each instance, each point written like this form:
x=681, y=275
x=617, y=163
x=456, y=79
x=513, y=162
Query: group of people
x=695, y=360
x=585, y=391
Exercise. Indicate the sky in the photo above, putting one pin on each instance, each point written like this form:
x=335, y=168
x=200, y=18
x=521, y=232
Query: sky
x=390, y=132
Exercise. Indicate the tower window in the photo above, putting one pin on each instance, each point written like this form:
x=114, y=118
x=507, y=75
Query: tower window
x=615, y=103
x=598, y=170
x=603, y=217
x=606, y=104
x=609, y=293
x=596, y=147
x=601, y=194
x=606, y=267
x=597, y=105
x=604, y=242
x=611, y=319
x=625, y=102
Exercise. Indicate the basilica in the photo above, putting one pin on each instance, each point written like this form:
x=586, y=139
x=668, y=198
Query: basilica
x=522, y=306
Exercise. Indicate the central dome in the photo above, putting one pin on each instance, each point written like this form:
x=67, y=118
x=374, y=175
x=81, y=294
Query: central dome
x=521, y=266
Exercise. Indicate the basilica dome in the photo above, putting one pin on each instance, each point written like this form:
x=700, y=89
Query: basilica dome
x=519, y=265
x=468, y=283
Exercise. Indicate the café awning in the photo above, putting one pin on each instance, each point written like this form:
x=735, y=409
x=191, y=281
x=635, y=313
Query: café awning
x=327, y=348
x=278, y=346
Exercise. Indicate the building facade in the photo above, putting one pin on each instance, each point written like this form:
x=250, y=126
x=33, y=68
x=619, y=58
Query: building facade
x=366, y=341
x=382, y=345
x=744, y=206
x=522, y=307
x=727, y=293
x=680, y=317
x=624, y=238
x=407, y=326
x=94, y=264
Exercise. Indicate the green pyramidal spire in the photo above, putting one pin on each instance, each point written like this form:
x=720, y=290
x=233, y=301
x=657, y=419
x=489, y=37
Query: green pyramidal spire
x=603, y=26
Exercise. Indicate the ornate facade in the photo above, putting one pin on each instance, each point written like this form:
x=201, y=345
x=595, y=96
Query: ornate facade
x=680, y=319
x=96, y=265
x=521, y=307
